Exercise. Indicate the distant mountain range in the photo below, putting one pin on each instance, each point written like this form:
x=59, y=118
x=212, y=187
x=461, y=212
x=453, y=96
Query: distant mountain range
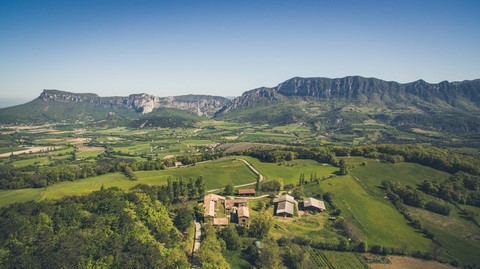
x=368, y=92
x=317, y=101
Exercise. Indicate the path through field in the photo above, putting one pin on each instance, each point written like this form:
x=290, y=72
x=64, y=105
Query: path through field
x=260, y=179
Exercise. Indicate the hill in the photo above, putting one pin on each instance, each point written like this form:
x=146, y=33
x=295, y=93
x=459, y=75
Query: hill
x=338, y=103
x=55, y=105
x=360, y=91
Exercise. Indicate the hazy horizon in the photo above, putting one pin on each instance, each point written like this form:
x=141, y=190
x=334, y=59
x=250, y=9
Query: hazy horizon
x=114, y=48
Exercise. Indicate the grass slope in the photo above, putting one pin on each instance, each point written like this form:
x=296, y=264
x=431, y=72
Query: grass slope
x=290, y=172
x=378, y=220
x=216, y=173
x=458, y=236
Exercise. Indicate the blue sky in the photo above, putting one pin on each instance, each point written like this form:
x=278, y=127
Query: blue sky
x=227, y=47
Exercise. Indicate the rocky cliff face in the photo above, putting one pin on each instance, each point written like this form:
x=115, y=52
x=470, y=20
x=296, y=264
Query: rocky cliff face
x=142, y=103
x=367, y=91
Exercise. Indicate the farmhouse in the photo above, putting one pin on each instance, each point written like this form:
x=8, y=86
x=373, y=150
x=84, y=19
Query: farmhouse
x=284, y=205
x=247, y=192
x=313, y=205
x=178, y=164
x=243, y=215
x=230, y=204
x=210, y=204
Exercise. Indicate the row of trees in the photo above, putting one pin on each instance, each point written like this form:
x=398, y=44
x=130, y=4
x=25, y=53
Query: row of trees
x=408, y=195
x=176, y=191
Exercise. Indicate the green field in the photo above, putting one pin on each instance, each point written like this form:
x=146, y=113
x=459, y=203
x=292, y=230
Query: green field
x=290, y=172
x=216, y=173
x=19, y=196
x=379, y=222
x=314, y=227
x=335, y=260
x=458, y=236
x=371, y=175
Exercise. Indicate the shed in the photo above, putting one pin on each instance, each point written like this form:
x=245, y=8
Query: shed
x=247, y=192
x=313, y=204
x=285, y=209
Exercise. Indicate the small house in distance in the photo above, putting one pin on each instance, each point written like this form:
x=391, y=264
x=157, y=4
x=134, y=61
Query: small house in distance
x=178, y=164
x=284, y=205
x=243, y=215
x=247, y=192
x=313, y=205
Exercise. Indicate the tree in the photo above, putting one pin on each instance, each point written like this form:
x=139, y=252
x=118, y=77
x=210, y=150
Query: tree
x=209, y=255
x=298, y=193
x=362, y=247
x=229, y=189
x=231, y=237
x=343, y=167
x=261, y=224
x=295, y=257
x=268, y=257
x=261, y=205
x=183, y=218
x=201, y=186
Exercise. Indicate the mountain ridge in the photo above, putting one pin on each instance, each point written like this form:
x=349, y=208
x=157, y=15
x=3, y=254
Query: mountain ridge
x=464, y=95
x=294, y=100
x=142, y=102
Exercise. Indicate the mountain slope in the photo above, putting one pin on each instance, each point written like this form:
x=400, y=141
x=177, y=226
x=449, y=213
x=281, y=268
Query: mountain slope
x=327, y=104
x=362, y=91
x=54, y=105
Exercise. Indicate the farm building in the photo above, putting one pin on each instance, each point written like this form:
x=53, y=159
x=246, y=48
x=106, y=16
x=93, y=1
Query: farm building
x=220, y=222
x=243, y=215
x=284, y=205
x=246, y=192
x=210, y=204
x=313, y=205
x=229, y=204
x=178, y=164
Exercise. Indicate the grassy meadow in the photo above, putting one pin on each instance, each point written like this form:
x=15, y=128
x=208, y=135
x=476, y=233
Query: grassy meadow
x=378, y=221
x=458, y=236
x=289, y=172
x=216, y=173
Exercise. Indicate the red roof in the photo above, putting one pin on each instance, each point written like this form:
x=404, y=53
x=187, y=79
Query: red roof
x=246, y=191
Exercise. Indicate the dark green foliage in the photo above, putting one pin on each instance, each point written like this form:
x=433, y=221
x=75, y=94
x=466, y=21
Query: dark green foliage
x=296, y=257
x=40, y=176
x=271, y=185
x=438, y=207
x=460, y=188
x=231, y=237
x=229, y=189
x=209, y=256
x=183, y=218
x=404, y=194
x=106, y=228
x=260, y=225
x=343, y=167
